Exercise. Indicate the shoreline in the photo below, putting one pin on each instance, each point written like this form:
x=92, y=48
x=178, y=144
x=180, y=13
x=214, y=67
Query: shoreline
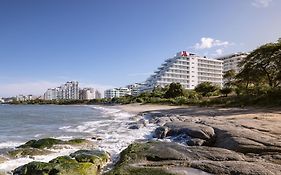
x=198, y=119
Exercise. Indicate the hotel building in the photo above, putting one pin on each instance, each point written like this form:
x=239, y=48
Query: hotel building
x=117, y=92
x=187, y=69
x=231, y=62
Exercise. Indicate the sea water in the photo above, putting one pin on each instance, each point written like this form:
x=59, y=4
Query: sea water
x=21, y=123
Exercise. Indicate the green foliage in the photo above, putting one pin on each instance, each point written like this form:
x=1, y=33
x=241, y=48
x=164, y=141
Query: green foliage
x=262, y=66
x=229, y=78
x=226, y=90
x=206, y=89
x=174, y=90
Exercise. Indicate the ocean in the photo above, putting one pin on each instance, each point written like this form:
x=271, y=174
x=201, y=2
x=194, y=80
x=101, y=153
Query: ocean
x=21, y=123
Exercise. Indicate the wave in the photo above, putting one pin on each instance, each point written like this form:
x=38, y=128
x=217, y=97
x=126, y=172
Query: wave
x=110, y=132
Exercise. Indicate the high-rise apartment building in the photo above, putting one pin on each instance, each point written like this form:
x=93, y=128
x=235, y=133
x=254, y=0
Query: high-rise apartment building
x=187, y=69
x=89, y=94
x=67, y=91
x=231, y=62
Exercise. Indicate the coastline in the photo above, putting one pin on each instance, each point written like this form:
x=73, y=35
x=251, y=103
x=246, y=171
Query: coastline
x=259, y=129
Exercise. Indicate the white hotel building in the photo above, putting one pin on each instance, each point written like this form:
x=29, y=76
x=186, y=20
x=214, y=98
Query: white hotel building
x=231, y=62
x=67, y=91
x=117, y=92
x=187, y=69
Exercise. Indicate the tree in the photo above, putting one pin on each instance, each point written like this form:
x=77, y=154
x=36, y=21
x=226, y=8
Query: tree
x=206, y=88
x=226, y=90
x=229, y=77
x=262, y=66
x=174, y=90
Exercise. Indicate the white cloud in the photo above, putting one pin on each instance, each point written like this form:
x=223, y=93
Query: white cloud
x=261, y=3
x=219, y=51
x=207, y=43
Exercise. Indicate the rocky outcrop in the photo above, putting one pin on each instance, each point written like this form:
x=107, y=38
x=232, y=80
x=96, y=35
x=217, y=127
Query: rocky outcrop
x=28, y=152
x=196, y=134
x=50, y=142
x=161, y=158
x=246, y=140
x=82, y=162
x=41, y=147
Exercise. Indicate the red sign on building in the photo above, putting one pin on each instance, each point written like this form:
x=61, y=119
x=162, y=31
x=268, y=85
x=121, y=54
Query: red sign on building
x=184, y=53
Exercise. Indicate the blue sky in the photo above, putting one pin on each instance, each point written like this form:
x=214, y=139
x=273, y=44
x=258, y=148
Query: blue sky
x=110, y=43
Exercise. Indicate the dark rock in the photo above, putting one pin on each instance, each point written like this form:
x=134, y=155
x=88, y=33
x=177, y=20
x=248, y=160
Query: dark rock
x=195, y=142
x=161, y=132
x=191, y=129
x=135, y=126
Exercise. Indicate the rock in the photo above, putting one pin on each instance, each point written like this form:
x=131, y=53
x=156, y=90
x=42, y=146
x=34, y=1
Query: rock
x=135, y=126
x=246, y=140
x=143, y=158
x=162, y=120
x=238, y=167
x=195, y=142
x=82, y=162
x=27, y=152
x=192, y=129
x=50, y=142
x=161, y=132
x=93, y=156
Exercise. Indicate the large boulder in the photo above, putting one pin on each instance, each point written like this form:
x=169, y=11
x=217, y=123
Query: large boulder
x=168, y=158
x=83, y=162
x=246, y=140
x=195, y=134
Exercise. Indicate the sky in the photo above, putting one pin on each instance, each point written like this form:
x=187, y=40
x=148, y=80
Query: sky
x=113, y=43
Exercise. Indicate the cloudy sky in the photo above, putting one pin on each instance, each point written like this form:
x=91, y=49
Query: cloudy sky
x=112, y=43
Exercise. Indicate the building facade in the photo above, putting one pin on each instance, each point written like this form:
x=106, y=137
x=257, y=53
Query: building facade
x=89, y=94
x=231, y=62
x=67, y=91
x=117, y=92
x=187, y=69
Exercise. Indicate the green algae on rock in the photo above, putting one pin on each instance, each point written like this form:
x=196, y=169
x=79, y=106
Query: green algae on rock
x=66, y=165
x=25, y=152
x=50, y=142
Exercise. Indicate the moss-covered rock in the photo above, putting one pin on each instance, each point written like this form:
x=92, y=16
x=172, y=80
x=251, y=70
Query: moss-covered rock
x=50, y=142
x=41, y=143
x=90, y=164
x=93, y=156
x=25, y=152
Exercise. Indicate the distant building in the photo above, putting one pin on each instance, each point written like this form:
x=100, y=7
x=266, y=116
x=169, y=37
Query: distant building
x=67, y=91
x=24, y=97
x=98, y=94
x=117, y=92
x=231, y=62
x=135, y=88
x=187, y=69
x=2, y=100
x=89, y=94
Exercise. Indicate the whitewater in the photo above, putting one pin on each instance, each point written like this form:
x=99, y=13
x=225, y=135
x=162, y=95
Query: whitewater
x=106, y=127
